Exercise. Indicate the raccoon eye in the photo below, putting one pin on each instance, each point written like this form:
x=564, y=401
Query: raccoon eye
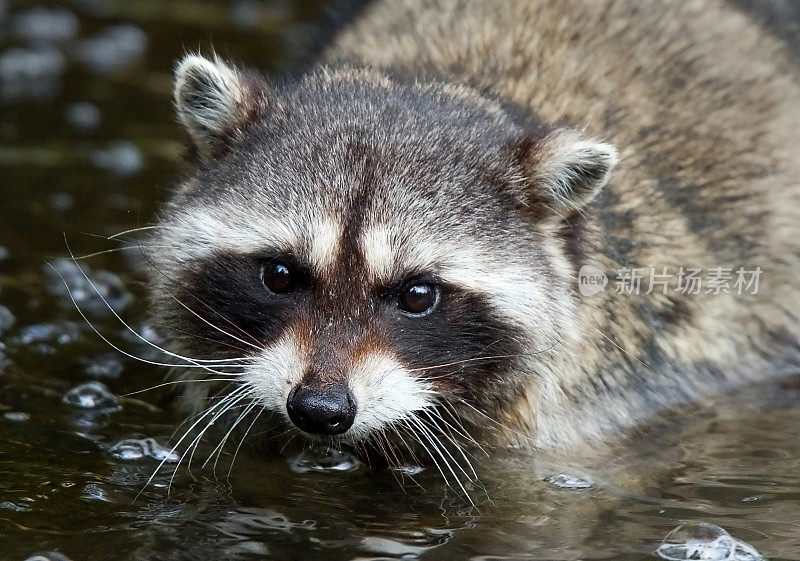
x=419, y=299
x=277, y=277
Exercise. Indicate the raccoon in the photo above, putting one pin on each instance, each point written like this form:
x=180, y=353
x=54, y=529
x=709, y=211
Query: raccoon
x=386, y=248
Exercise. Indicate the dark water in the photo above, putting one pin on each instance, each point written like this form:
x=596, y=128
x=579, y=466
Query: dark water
x=88, y=146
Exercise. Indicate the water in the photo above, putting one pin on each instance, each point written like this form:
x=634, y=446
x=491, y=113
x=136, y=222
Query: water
x=88, y=147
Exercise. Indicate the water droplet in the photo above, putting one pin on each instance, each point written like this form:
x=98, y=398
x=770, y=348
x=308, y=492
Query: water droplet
x=705, y=542
x=246, y=14
x=48, y=556
x=83, y=115
x=94, y=295
x=103, y=366
x=7, y=319
x=93, y=492
x=566, y=481
x=323, y=459
x=63, y=333
x=45, y=25
x=31, y=72
x=410, y=470
x=62, y=202
x=113, y=48
x=136, y=449
x=121, y=158
x=7, y=505
x=385, y=546
x=92, y=395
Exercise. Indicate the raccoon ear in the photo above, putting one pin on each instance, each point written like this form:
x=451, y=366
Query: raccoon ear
x=214, y=101
x=563, y=170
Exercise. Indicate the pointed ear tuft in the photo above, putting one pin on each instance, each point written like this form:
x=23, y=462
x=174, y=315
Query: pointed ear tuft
x=562, y=169
x=214, y=100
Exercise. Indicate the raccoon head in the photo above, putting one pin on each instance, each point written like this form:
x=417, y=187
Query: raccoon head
x=355, y=252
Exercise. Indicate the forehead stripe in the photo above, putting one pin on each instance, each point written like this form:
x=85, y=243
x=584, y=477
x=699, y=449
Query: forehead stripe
x=202, y=231
x=379, y=253
x=323, y=239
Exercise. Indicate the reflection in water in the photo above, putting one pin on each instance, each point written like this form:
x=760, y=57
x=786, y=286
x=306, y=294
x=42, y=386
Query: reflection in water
x=88, y=146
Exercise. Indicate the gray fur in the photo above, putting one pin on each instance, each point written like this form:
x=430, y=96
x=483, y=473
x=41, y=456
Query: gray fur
x=458, y=137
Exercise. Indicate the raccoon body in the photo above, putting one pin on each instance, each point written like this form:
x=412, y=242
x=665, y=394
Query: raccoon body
x=388, y=247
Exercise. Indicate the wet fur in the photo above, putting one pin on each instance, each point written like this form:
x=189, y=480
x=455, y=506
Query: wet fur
x=703, y=105
x=434, y=118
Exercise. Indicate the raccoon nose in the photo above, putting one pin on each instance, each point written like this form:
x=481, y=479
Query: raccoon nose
x=320, y=411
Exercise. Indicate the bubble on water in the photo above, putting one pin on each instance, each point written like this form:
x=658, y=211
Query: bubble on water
x=323, y=459
x=48, y=556
x=83, y=115
x=254, y=521
x=92, y=395
x=385, y=546
x=93, y=492
x=62, y=333
x=113, y=48
x=136, y=449
x=247, y=14
x=30, y=72
x=62, y=201
x=247, y=549
x=146, y=338
x=8, y=505
x=409, y=469
x=16, y=416
x=7, y=319
x=47, y=25
x=94, y=298
x=107, y=365
x=121, y=158
x=566, y=481
x=3, y=359
x=128, y=450
x=706, y=542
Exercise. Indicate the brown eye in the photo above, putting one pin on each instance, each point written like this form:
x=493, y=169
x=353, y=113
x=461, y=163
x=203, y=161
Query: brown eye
x=419, y=299
x=277, y=277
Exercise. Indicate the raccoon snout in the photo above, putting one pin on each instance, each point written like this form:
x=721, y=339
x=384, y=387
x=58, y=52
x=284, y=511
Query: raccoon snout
x=317, y=411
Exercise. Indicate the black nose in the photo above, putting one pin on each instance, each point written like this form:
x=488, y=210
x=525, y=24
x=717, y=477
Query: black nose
x=321, y=411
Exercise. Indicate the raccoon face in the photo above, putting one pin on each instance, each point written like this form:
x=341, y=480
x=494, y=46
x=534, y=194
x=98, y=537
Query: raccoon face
x=365, y=251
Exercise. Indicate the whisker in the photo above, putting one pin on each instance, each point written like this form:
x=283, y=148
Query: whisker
x=182, y=438
x=442, y=451
x=429, y=413
x=130, y=231
x=255, y=346
x=495, y=421
x=466, y=360
x=247, y=391
x=415, y=436
x=221, y=445
x=104, y=252
x=171, y=382
x=244, y=437
x=191, y=364
x=425, y=431
x=459, y=428
x=119, y=318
